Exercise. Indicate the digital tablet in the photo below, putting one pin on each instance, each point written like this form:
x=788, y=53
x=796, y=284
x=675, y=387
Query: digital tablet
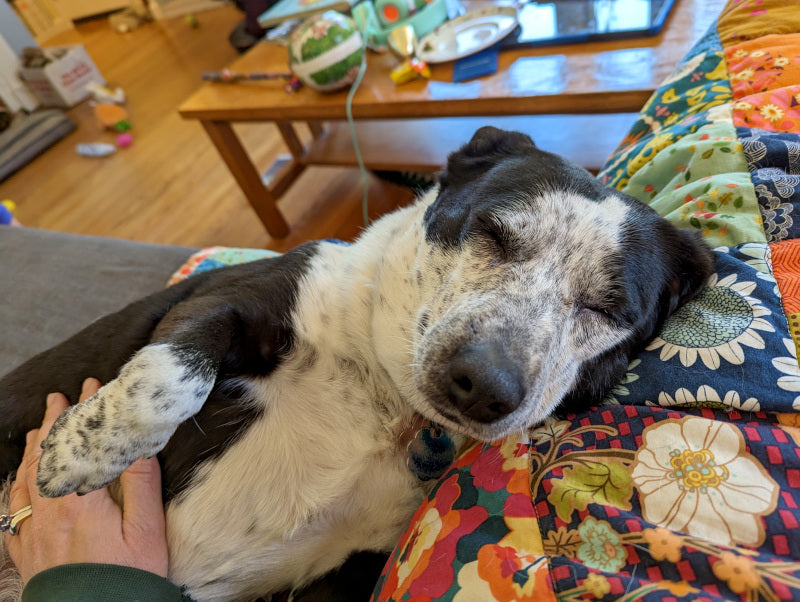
x=574, y=21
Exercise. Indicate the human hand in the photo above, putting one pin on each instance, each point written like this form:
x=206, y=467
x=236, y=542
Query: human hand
x=90, y=528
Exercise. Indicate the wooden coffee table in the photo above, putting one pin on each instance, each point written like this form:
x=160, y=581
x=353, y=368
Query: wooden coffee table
x=556, y=93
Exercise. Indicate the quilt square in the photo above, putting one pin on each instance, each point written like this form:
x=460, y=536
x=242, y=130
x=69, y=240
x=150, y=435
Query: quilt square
x=764, y=64
x=729, y=348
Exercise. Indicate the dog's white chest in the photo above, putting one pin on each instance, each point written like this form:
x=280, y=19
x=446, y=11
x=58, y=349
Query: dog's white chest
x=315, y=478
x=302, y=499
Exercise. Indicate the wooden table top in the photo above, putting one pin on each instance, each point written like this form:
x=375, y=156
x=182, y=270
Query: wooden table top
x=597, y=77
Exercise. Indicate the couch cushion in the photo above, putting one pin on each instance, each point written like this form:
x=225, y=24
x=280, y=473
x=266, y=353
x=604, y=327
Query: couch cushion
x=54, y=284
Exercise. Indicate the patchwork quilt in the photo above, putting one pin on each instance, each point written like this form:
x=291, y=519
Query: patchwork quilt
x=685, y=483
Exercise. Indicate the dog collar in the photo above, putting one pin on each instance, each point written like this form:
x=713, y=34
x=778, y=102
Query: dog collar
x=430, y=450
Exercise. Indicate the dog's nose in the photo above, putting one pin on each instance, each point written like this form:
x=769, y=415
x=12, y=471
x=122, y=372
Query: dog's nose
x=483, y=382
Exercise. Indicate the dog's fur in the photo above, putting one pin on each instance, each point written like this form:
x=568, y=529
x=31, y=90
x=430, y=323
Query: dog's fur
x=275, y=392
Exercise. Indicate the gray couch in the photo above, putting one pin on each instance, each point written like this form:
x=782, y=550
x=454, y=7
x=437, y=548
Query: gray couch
x=54, y=284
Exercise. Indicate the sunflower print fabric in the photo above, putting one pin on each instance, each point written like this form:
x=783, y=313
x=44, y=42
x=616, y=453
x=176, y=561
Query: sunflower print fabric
x=685, y=483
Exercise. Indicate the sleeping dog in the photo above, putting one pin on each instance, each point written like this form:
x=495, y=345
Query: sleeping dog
x=279, y=394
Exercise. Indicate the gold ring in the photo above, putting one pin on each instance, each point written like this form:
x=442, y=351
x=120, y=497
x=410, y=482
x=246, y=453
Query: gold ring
x=11, y=522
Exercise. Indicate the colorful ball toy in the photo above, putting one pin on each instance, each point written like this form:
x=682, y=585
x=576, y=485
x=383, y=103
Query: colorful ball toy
x=326, y=51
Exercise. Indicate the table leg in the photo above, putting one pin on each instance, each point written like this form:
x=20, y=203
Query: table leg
x=244, y=172
x=317, y=128
x=291, y=139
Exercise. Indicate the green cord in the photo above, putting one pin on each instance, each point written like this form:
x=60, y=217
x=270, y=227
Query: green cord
x=351, y=122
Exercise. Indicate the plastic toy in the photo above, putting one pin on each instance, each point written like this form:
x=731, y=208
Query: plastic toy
x=7, y=218
x=106, y=94
x=326, y=51
x=392, y=12
x=95, y=149
x=129, y=19
x=124, y=140
x=110, y=115
x=409, y=70
x=228, y=76
x=425, y=18
x=403, y=41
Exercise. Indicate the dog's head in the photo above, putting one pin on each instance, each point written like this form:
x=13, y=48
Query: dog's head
x=537, y=285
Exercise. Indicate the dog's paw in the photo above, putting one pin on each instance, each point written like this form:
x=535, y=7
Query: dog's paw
x=134, y=415
x=84, y=451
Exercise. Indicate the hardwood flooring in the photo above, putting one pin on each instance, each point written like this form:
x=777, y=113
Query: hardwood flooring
x=171, y=186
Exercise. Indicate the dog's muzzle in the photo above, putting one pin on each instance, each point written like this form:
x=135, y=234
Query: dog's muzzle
x=483, y=383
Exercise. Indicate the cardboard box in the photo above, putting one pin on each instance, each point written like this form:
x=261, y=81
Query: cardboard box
x=62, y=81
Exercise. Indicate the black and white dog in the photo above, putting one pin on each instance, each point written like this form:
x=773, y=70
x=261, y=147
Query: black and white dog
x=277, y=393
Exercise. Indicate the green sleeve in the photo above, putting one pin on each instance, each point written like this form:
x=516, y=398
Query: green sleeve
x=99, y=582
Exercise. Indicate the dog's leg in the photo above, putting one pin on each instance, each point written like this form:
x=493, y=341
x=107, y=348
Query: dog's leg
x=135, y=414
x=99, y=350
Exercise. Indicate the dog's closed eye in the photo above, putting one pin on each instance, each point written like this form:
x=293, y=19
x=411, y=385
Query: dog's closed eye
x=497, y=235
x=597, y=311
x=605, y=312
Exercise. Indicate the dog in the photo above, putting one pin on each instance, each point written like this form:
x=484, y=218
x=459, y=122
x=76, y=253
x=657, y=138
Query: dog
x=279, y=394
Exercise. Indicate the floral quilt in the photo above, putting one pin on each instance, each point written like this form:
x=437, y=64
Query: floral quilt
x=685, y=483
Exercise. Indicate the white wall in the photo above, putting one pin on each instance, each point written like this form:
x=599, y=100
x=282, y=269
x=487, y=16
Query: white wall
x=12, y=30
x=13, y=38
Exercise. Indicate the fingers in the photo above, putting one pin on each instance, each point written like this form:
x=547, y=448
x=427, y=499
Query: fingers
x=90, y=387
x=143, y=510
x=26, y=477
x=20, y=496
x=141, y=482
x=143, y=523
x=141, y=490
x=56, y=403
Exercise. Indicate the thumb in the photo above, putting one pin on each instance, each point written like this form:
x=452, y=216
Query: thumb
x=143, y=525
x=141, y=494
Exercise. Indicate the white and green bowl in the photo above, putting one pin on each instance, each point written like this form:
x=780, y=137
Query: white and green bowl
x=326, y=51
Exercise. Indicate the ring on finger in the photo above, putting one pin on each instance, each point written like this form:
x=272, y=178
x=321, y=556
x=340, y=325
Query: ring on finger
x=11, y=522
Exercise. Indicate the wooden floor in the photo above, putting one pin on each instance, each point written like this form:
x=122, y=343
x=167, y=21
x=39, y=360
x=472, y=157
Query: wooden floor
x=171, y=186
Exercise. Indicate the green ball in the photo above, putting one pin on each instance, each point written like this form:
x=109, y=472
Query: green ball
x=326, y=51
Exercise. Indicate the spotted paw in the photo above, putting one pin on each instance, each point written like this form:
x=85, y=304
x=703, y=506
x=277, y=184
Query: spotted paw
x=84, y=451
x=134, y=415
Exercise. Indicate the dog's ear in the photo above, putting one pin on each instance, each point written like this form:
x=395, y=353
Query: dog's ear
x=689, y=263
x=487, y=146
x=460, y=196
x=490, y=140
x=692, y=262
